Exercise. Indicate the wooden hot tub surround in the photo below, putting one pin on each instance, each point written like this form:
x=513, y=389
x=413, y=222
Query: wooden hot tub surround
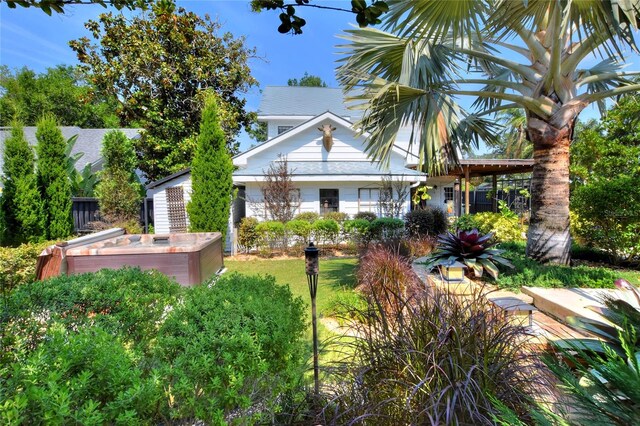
x=191, y=258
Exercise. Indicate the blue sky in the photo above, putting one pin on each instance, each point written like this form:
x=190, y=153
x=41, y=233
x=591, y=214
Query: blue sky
x=28, y=37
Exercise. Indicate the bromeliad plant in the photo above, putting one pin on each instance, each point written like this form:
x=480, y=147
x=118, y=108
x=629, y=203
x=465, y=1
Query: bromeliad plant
x=471, y=248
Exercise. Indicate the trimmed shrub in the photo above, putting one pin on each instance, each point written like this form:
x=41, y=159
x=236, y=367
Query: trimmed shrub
x=301, y=229
x=385, y=228
x=427, y=221
x=53, y=181
x=84, y=377
x=248, y=236
x=18, y=265
x=357, y=230
x=271, y=234
x=211, y=175
x=504, y=228
x=608, y=216
x=326, y=231
x=235, y=349
x=133, y=347
x=369, y=216
x=127, y=302
x=337, y=216
x=466, y=222
x=307, y=216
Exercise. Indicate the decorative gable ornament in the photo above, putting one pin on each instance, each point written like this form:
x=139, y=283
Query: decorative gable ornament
x=327, y=136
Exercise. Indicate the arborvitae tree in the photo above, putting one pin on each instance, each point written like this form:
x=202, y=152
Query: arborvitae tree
x=211, y=176
x=119, y=192
x=30, y=209
x=53, y=181
x=19, y=173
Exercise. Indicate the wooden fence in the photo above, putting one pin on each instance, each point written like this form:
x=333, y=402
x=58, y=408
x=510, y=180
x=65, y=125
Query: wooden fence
x=509, y=190
x=85, y=210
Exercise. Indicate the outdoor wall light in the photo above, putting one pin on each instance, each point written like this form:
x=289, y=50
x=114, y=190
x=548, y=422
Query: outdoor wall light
x=312, y=266
x=453, y=271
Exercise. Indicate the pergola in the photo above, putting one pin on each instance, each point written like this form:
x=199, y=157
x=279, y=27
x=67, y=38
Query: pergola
x=486, y=167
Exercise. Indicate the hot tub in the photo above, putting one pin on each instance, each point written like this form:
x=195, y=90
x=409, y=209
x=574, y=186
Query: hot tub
x=190, y=258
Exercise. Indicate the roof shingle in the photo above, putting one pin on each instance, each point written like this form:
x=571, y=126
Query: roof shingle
x=303, y=101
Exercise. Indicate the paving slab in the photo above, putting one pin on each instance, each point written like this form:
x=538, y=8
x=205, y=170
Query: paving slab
x=561, y=303
x=545, y=329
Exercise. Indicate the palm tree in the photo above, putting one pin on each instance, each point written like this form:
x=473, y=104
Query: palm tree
x=513, y=142
x=433, y=52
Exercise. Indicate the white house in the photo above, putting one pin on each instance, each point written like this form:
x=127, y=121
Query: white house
x=340, y=177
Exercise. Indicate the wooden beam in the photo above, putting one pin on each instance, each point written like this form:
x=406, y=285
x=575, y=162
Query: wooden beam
x=457, y=196
x=494, y=187
x=466, y=190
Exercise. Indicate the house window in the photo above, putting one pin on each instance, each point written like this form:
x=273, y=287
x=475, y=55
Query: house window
x=368, y=200
x=448, y=194
x=329, y=201
x=282, y=129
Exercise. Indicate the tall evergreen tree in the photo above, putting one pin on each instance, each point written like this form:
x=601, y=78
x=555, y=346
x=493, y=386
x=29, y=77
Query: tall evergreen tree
x=15, y=205
x=211, y=175
x=53, y=180
x=119, y=192
x=30, y=209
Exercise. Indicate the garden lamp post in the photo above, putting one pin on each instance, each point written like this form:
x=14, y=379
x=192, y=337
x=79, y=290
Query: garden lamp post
x=311, y=269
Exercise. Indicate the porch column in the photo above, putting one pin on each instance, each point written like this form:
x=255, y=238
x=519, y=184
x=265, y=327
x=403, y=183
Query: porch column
x=457, y=197
x=494, y=188
x=466, y=190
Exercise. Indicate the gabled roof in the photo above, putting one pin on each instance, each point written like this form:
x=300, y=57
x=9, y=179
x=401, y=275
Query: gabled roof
x=157, y=183
x=89, y=141
x=241, y=159
x=333, y=168
x=289, y=101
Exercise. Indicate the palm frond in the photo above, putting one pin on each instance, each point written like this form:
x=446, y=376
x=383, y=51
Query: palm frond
x=372, y=52
x=436, y=20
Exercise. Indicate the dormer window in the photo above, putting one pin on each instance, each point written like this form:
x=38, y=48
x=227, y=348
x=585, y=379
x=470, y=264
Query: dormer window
x=282, y=129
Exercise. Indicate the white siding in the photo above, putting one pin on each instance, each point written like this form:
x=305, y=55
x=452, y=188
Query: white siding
x=160, y=216
x=307, y=146
x=437, y=194
x=272, y=125
x=310, y=193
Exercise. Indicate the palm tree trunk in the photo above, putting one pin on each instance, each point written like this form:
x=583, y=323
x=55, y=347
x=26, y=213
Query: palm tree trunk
x=549, y=239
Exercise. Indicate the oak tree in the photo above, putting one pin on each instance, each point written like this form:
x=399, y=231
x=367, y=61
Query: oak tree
x=58, y=6
x=61, y=91
x=159, y=65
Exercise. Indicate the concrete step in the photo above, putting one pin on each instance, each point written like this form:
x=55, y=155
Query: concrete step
x=562, y=303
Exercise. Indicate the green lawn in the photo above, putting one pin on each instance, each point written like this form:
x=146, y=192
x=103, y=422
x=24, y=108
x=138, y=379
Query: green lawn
x=337, y=276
